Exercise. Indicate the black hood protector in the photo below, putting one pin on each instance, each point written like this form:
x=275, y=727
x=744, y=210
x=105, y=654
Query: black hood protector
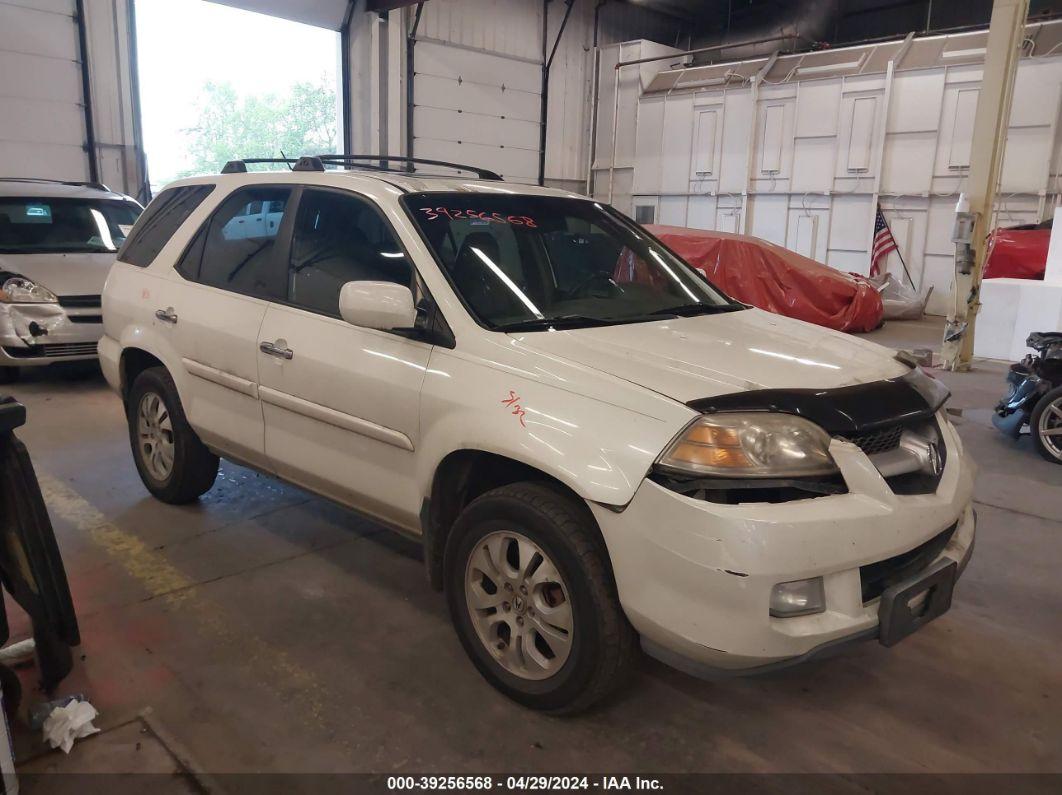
x=843, y=411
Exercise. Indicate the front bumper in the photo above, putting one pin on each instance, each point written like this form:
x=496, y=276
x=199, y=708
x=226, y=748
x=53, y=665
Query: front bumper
x=695, y=577
x=39, y=334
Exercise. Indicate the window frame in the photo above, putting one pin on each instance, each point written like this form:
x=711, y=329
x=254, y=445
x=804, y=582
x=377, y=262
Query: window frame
x=435, y=331
x=282, y=246
x=416, y=281
x=135, y=234
x=622, y=219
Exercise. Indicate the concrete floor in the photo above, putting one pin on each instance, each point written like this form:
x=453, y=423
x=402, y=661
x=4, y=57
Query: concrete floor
x=271, y=631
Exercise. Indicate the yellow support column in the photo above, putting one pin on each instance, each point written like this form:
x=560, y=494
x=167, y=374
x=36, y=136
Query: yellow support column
x=989, y=139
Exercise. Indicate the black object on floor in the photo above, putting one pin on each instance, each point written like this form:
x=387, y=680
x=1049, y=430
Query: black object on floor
x=31, y=567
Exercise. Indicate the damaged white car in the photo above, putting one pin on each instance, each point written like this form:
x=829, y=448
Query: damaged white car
x=57, y=242
x=595, y=446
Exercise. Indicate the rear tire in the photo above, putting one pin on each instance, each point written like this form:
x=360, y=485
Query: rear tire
x=523, y=562
x=1045, y=426
x=175, y=466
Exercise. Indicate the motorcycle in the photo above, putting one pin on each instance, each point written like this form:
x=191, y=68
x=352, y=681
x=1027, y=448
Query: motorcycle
x=1035, y=396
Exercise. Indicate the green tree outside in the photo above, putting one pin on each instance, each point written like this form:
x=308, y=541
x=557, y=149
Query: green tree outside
x=230, y=127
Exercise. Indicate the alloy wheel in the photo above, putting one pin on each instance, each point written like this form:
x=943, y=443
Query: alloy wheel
x=1050, y=428
x=519, y=605
x=155, y=436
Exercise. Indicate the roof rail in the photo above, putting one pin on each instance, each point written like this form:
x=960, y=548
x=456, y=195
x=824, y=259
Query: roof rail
x=319, y=162
x=482, y=173
x=96, y=185
x=46, y=180
x=240, y=166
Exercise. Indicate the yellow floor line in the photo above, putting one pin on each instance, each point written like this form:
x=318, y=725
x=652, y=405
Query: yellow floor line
x=163, y=580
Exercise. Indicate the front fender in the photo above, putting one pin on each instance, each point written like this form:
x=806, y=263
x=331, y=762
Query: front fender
x=600, y=450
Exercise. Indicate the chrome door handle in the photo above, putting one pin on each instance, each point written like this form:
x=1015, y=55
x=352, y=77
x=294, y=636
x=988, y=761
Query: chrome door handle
x=166, y=315
x=272, y=350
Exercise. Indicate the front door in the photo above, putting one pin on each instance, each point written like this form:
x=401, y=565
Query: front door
x=342, y=403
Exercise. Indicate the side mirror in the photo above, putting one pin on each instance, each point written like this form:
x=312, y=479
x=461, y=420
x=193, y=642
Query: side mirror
x=380, y=305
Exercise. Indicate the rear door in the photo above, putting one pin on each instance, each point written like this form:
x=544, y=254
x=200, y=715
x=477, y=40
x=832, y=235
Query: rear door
x=341, y=403
x=214, y=312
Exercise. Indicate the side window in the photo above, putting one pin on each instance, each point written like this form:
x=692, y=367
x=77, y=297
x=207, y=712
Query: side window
x=159, y=221
x=188, y=264
x=239, y=251
x=340, y=238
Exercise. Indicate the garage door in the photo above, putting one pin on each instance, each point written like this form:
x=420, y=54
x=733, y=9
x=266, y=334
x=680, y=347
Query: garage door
x=42, y=127
x=477, y=108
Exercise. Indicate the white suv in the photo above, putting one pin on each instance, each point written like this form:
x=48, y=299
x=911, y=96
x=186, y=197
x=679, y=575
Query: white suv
x=595, y=445
x=57, y=242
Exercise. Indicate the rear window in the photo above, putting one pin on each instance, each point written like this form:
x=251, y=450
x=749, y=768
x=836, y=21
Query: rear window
x=41, y=225
x=160, y=220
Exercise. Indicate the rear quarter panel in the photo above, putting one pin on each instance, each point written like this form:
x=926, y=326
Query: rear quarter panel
x=129, y=301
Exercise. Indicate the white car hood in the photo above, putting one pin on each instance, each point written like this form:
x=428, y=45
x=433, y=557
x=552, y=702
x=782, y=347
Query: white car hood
x=697, y=357
x=63, y=274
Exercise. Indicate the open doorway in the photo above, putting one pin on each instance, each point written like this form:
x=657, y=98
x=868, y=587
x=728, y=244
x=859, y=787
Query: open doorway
x=219, y=83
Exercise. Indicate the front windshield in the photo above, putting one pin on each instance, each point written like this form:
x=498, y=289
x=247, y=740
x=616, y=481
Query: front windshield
x=60, y=226
x=527, y=262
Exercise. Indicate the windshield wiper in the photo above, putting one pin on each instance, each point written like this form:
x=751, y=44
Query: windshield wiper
x=546, y=323
x=689, y=310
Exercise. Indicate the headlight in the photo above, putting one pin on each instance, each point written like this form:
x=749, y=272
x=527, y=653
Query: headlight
x=752, y=445
x=20, y=290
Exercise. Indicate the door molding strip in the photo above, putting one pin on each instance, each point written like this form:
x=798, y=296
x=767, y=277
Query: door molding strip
x=338, y=419
x=221, y=378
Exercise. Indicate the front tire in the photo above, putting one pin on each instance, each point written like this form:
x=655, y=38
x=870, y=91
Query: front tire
x=533, y=601
x=175, y=466
x=1045, y=425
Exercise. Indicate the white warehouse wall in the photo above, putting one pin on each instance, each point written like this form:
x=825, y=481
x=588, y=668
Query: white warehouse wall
x=484, y=58
x=42, y=129
x=802, y=162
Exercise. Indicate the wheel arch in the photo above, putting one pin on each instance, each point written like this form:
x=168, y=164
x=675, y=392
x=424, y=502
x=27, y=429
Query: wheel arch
x=132, y=363
x=465, y=474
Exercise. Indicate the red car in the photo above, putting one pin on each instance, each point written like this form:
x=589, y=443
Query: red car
x=1018, y=252
x=776, y=279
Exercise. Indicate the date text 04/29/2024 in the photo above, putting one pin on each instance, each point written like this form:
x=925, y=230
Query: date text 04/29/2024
x=525, y=783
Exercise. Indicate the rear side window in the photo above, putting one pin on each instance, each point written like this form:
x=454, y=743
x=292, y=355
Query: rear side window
x=239, y=251
x=160, y=220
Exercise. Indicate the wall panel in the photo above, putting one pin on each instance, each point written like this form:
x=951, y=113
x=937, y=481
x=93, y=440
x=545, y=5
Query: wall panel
x=42, y=128
x=824, y=152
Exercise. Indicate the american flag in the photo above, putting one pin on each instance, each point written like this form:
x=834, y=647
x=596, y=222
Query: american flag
x=884, y=243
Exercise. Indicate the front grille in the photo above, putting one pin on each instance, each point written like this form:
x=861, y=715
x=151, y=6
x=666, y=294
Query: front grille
x=80, y=301
x=879, y=441
x=876, y=577
x=55, y=349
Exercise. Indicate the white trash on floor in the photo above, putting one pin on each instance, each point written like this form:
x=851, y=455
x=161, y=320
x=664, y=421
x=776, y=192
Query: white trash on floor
x=68, y=723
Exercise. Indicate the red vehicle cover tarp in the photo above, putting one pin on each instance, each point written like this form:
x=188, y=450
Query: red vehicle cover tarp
x=776, y=279
x=1017, y=253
